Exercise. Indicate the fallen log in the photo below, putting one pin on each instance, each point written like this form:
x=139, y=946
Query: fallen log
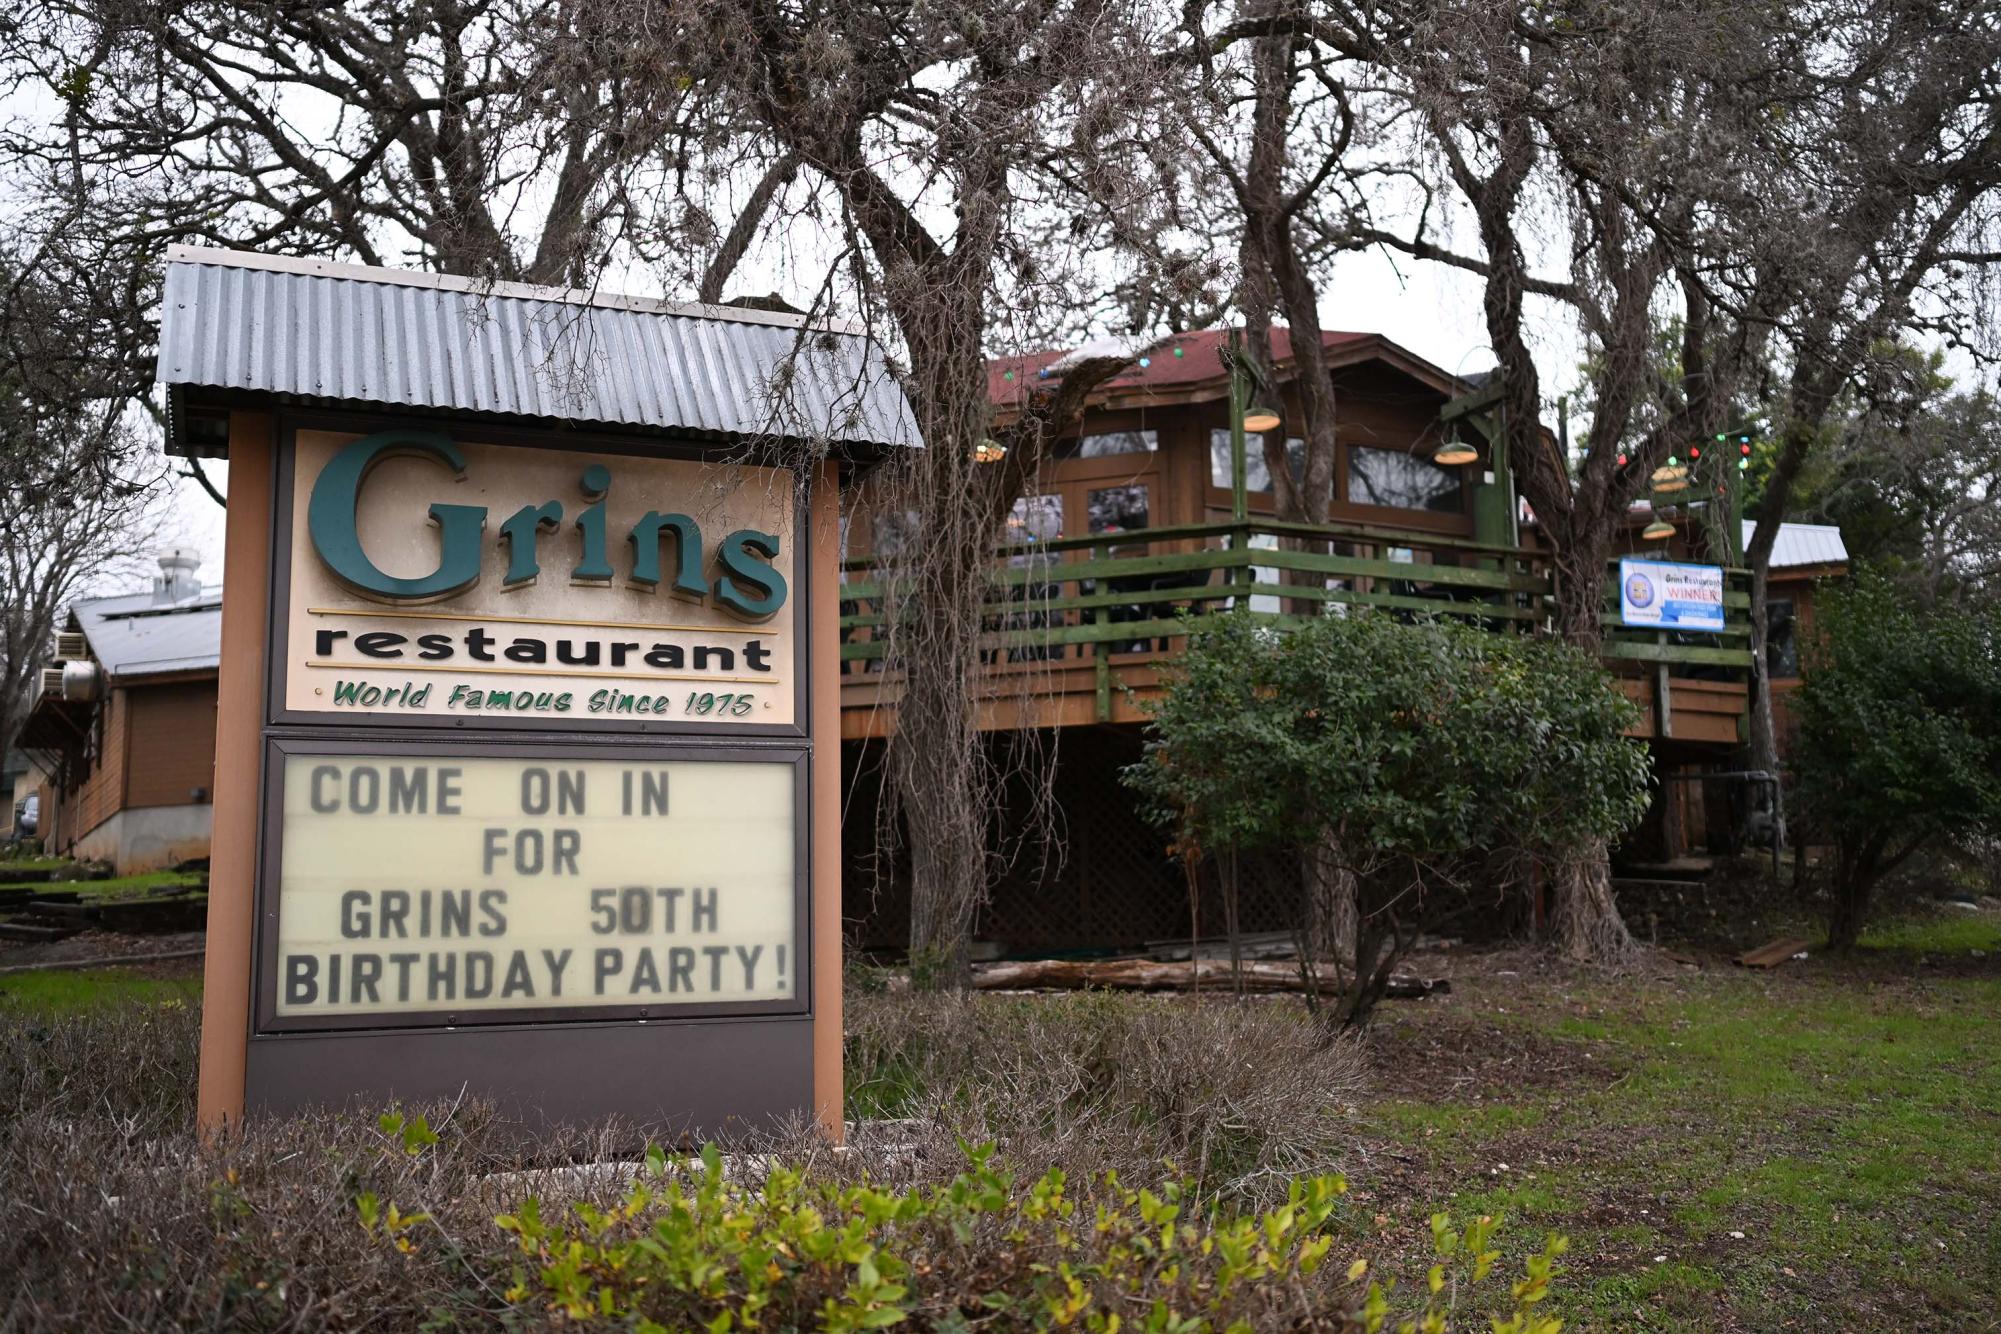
x=1182, y=975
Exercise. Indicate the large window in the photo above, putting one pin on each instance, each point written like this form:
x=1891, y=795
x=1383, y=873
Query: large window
x=1117, y=509
x=1105, y=444
x=1399, y=480
x=1257, y=477
x=1035, y=519
x=1782, y=650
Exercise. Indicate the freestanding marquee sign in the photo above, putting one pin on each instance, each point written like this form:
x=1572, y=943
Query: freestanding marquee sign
x=528, y=640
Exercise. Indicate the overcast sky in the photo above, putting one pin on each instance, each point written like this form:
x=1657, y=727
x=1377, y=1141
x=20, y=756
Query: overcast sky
x=1429, y=309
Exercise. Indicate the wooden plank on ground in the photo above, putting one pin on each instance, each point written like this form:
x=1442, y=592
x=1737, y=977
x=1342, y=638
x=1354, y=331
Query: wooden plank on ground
x=1774, y=954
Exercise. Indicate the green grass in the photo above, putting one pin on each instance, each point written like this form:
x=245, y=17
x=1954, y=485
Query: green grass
x=69, y=990
x=1955, y=931
x=121, y=887
x=1848, y=1125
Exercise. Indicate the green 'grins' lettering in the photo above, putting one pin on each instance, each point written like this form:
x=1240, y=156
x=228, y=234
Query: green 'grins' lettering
x=749, y=584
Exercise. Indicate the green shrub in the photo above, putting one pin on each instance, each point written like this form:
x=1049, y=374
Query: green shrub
x=1392, y=758
x=1899, y=743
x=692, y=1247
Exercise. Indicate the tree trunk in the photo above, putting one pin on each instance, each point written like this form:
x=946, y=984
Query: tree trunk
x=1848, y=894
x=1586, y=920
x=1332, y=916
x=1764, y=729
x=1587, y=924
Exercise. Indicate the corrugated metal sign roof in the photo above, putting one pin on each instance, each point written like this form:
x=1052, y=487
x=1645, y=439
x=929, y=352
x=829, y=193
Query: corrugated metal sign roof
x=324, y=331
x=1804, y=544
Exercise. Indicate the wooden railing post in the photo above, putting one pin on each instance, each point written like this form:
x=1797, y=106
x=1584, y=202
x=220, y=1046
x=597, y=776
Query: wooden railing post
x=1102, y=665
x=1663, y=693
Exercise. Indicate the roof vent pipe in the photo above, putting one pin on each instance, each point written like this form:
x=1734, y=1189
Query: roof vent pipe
x=176, y=581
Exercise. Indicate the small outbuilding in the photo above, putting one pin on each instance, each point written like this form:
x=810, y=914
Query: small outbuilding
x=122, y=733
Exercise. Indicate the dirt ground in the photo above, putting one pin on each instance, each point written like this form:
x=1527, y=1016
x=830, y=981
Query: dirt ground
x=102, y=947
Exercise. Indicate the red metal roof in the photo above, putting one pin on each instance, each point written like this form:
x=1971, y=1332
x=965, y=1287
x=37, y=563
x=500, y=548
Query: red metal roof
x=1200, y=361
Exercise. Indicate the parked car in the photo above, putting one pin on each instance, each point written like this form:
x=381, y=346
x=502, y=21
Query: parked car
x=28, y=815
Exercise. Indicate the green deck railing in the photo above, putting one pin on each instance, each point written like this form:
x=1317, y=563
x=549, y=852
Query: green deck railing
x=1119, y=597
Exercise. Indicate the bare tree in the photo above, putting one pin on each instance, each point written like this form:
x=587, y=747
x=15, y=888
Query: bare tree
x=1275, y=121
x=1914, y=480
x=58, y=540
x=1893, y=126
x=937, y=132
x=1545, y=131
x=1654, y=159
x=473, y=137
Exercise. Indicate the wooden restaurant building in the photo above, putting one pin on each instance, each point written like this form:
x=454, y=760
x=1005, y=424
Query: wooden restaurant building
x=1135, y=519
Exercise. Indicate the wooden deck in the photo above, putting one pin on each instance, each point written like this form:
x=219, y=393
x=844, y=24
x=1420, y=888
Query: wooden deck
x=1081, y=626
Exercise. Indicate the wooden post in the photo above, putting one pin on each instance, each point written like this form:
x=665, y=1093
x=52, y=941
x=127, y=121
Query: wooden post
x=1240, y=505
x=824, y=705
x=239, y=732
x=1663, y=693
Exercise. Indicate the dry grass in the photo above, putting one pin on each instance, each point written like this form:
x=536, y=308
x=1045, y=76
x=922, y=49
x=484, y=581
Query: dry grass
x=121, y=1217
x=1238, y=1095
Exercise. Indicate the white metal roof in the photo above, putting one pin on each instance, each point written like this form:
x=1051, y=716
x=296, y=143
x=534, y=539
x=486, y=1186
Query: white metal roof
x=1804, y=544
x=134, y=634
x=318, y=330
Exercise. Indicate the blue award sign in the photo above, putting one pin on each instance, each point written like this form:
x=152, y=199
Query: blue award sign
x=1665, y=595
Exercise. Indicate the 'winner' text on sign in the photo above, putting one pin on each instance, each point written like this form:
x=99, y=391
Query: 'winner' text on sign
x=421, y=884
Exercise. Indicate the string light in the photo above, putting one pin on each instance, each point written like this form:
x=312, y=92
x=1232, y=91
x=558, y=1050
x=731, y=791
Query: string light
x=1179, y=352
x=1007, y=375
x=1144, y=362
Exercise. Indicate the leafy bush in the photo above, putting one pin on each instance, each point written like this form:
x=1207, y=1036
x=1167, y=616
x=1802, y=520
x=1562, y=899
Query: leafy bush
x=1899, y=735
x=1238, y=1095
x=691, y=1247
x=1398, y=751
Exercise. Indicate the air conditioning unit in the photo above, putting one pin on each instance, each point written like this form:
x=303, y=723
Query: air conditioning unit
x=50, y=682
x=70, y=645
